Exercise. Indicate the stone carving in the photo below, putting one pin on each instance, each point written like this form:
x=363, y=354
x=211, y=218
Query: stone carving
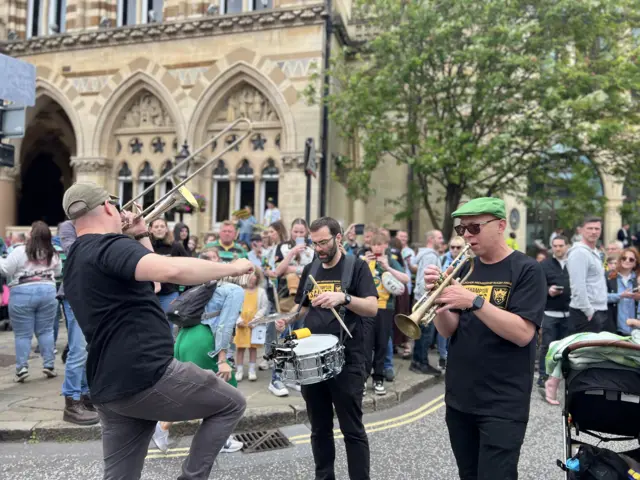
x=158, y=145
x=90, y=164
x=266, y=19
x=293, y=162
x=247, y=102
x=258, y=141
x=147, y=111
x=135, y=145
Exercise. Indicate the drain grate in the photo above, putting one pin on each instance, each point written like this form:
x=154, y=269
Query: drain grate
x=263, y=441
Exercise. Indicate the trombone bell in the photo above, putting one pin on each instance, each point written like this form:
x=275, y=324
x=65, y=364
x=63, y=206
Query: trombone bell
x=181, y=196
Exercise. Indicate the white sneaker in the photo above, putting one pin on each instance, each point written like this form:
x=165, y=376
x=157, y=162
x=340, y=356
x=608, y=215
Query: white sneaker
x=21, y=375
x=161, y=438
x=278, y=389
x=232, y=446
x=239, y=373
x=364, y=391
x=263, y=365
x=252, y=376
x=378, y=388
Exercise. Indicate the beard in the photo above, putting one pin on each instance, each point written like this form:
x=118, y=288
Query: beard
x=330, y=254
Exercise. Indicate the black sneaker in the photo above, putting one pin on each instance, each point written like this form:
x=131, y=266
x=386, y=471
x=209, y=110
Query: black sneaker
x=429, y=370
x=378, y=388
x=541, y=380
x=442, y=363
x=50, y=372
x=21, y=375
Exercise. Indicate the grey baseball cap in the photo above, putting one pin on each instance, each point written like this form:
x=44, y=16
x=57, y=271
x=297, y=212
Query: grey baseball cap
x=83, y=197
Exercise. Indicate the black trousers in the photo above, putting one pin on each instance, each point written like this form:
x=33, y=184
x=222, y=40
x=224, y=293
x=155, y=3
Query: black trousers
x=376, y=343
x=486, y=448
x=553, y=328
x=345, y=393
x=579, y=323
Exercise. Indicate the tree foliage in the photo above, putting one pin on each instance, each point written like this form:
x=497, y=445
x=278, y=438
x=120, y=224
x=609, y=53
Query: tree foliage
x=473, y=95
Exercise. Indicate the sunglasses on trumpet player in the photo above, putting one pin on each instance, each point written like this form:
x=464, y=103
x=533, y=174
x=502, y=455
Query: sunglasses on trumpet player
x=472, y=228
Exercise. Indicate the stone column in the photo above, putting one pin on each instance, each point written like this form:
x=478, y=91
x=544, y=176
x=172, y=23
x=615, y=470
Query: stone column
x=359, y=212
x=612, y=219
x=292, y=188
x=91, y=169
x=232, y=194
x=257, y=195
x=7, y=197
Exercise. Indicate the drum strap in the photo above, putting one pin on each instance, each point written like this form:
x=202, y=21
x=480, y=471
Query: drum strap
x=345, y=283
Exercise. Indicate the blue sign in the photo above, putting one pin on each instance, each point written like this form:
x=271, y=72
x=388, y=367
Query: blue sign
x=18, y=83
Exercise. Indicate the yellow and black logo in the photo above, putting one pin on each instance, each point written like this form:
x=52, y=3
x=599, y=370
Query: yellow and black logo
x=496, y=294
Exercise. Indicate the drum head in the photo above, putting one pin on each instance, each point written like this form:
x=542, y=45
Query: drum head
x=315, y=344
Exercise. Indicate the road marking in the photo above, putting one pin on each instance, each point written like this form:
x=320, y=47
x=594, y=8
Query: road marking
x=303, y=439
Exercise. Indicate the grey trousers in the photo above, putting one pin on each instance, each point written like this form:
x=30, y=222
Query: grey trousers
x=185, y=392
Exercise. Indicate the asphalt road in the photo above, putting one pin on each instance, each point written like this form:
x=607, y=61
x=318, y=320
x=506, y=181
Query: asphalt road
x=407, y=442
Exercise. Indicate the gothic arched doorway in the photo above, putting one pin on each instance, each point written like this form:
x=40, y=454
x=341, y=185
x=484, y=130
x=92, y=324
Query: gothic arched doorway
x=45, y=170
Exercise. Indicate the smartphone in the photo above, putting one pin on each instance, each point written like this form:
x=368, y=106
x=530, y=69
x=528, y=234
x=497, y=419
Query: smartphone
x=636, y=290
x=300, y=241
x=359, y=227
x=559, y=287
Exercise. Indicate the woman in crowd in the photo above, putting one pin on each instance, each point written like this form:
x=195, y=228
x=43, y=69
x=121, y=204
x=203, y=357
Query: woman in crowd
x=163, y=244
x=32, y=270
x=621, y=282
x=256, y=304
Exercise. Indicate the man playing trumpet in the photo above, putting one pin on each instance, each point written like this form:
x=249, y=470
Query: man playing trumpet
x=492, y=322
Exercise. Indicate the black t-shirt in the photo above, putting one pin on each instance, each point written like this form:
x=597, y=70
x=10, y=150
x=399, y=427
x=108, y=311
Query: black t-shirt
x=128, y=337
x=322, y=321
x=486, y=374
x=176, y=249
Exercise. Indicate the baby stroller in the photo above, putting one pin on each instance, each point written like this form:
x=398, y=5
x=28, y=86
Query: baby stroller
x=602, y=397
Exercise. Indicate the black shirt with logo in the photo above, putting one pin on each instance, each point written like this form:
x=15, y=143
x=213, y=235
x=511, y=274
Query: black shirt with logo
x=486, y=374
x=128, y=337
x=322, y=320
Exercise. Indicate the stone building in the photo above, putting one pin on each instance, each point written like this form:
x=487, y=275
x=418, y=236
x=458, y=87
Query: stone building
x=123, y=84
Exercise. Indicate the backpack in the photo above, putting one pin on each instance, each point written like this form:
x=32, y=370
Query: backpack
x=598, y=464
x=188, y=309
x=345, y=281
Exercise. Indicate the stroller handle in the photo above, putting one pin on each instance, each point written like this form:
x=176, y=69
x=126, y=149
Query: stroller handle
x=599, y=343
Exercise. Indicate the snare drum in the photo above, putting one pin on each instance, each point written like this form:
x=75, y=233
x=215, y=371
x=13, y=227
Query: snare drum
x=313, y=360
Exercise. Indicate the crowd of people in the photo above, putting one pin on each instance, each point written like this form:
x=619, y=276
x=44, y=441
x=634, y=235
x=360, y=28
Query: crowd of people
x=586, y=290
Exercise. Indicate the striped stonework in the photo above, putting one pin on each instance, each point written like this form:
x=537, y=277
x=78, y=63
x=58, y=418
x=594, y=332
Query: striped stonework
x=15, y=16
x=82, y=15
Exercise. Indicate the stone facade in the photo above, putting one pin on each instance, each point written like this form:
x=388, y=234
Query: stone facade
x=116, y=103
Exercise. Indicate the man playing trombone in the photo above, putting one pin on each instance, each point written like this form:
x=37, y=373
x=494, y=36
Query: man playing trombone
x=492, y=322
x=133, y=378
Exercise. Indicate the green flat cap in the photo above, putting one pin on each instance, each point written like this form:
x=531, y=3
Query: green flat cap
x=480, y=206
x=83, y=197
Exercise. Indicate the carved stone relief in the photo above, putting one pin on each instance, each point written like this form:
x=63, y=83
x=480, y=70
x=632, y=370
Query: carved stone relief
x=246, y=102
x=146, y=111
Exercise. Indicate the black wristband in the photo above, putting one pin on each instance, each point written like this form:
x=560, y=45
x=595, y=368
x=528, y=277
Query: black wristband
x=140, y=236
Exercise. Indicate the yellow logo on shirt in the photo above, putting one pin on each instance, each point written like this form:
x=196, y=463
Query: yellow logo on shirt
x=495, y=293
x=324, y=286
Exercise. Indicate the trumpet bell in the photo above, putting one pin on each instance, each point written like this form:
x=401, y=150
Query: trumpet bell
x=408, y=326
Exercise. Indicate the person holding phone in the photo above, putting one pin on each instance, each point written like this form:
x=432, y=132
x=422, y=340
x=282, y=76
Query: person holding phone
x=623, y=297
x=555, y=323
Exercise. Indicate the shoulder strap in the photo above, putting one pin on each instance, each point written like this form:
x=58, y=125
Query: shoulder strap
x=313, y=271
x=347, y=272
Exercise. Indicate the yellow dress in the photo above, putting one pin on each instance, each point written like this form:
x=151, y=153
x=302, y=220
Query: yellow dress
x=249, y=310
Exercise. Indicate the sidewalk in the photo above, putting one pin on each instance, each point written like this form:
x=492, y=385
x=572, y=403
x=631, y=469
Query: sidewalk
x=33, y=410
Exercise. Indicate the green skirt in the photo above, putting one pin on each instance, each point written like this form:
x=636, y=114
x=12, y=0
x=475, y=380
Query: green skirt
x=193, y=345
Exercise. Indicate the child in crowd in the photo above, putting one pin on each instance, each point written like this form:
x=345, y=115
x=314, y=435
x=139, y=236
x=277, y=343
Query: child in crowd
x=256, y=304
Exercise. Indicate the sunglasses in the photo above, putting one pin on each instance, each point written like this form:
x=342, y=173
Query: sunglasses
x=629, y=259
x=454, y=248
x=472, y=228
x=115, y=204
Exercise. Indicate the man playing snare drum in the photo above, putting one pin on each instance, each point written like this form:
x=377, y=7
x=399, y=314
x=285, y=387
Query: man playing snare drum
x=345, y=390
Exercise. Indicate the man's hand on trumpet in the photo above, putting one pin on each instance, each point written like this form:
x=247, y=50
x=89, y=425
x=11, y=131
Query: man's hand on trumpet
x=455, y=297
x=433, y=275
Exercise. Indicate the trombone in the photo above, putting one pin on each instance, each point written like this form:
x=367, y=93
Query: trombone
x=424, y=311
x=179, y=194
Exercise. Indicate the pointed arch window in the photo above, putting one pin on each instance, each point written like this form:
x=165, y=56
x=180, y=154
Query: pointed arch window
x=168, y=185
x=34, y=18
x=57, y=16
x=125, y=184
x=221, y=194
x=245, y=187
x=126, y=13
x=269, y=185
x=146, y=178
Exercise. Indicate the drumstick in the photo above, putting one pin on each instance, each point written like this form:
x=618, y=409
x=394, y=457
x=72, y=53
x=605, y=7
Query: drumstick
x=335, y=314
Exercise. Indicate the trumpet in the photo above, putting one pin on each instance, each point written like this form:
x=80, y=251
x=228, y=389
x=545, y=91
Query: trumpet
x=180, y=194
x=424, y=311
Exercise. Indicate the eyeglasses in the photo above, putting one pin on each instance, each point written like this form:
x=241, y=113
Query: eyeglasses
x=322, y=243
x=628, y=259
x=115, y=204
x=472, y=228
x=453, y=247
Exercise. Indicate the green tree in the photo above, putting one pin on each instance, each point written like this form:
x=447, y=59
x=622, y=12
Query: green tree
x=473, y=95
